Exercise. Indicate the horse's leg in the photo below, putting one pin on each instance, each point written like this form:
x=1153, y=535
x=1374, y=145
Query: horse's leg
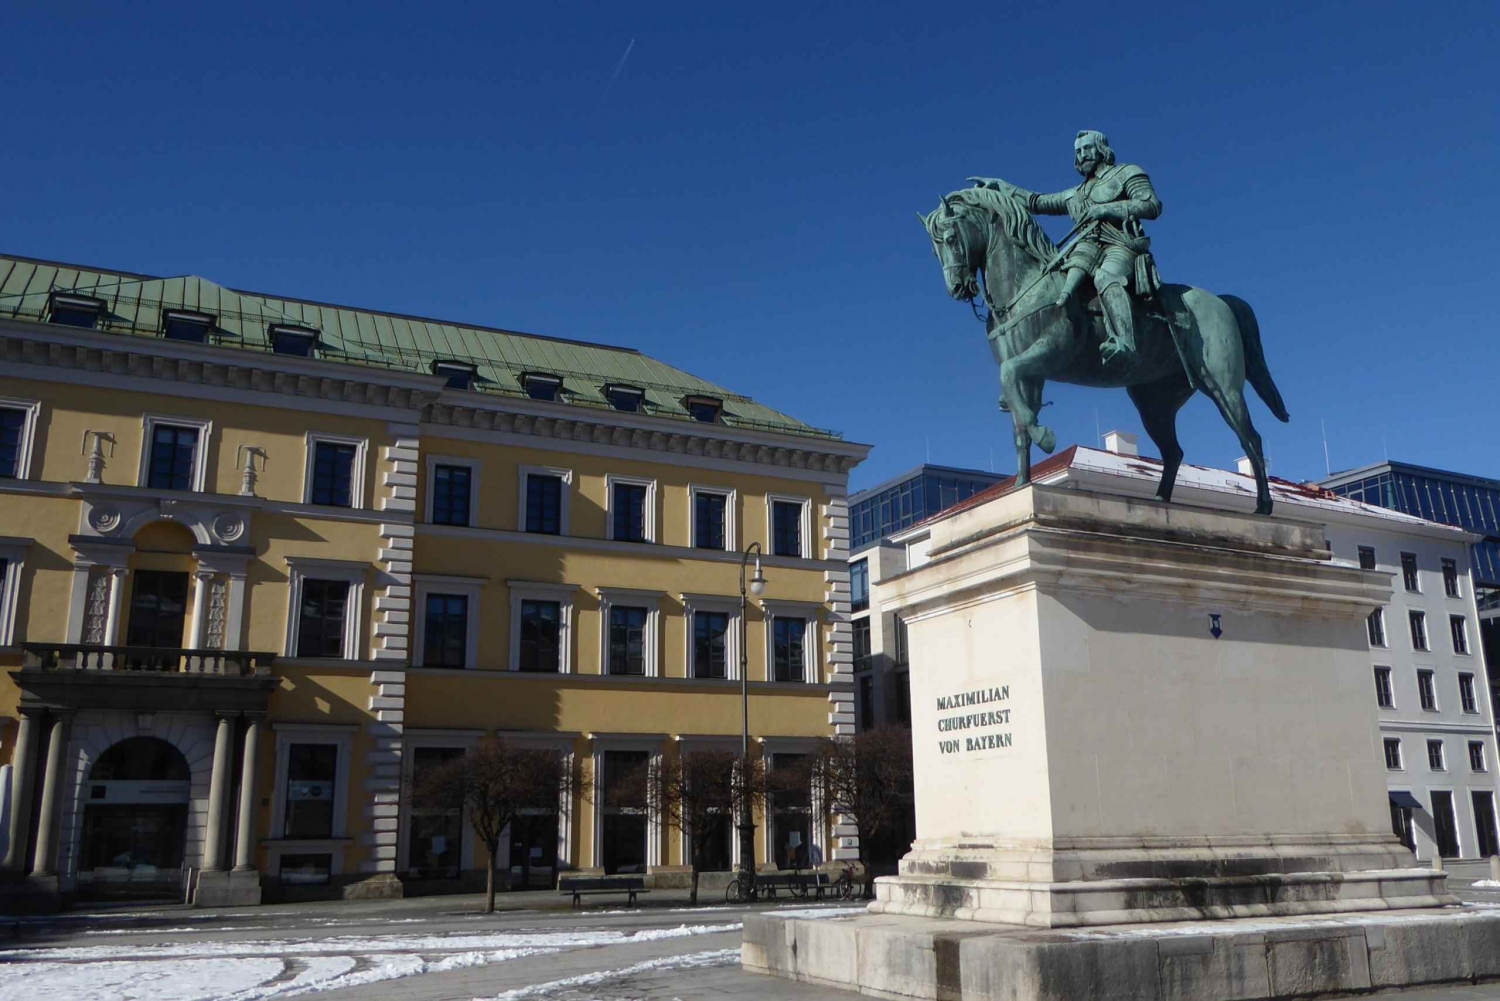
x=1158, y=403
x=1023, y=377
x=1223, y=357
x=1043, y=436
x=1231, y=401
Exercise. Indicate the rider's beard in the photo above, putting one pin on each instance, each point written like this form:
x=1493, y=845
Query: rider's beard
x=1085, y=167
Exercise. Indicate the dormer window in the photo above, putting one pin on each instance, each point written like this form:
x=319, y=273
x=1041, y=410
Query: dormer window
x=295, y=341
x=460, y=374
x=626, y=398
x=704, y=408
x=74, y=310
x=540, y=386
x=177, y=325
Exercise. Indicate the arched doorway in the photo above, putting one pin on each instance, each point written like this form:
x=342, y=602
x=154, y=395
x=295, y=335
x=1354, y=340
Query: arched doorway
x=134, y=820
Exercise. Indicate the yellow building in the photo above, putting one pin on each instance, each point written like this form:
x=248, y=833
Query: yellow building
x=263, y=560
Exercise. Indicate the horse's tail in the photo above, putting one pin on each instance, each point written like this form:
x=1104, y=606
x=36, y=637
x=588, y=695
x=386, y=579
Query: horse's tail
x=1255, y=357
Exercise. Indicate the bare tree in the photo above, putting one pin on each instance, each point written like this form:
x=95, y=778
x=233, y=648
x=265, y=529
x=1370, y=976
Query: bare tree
x=495, y=780
x=703, y=793
x=868, y=777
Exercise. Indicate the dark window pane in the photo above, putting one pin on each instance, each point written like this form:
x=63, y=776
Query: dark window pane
x=544, y=504
x=445, y=633
x=333, y=474
x=158, y=609
x=708, y=413
x=708, y=515
x=859, y=586
x=542, y=389
x=786, y=528
x=320, y=625
x=862, y=660
x=790, y=637
x=458, y=376
x=624, y=399
x=1366, y=558
x=710, y=648
x=627, y=640
x=311, y=772
x=12, y=423
x=285, y=342
x=629, y=501
x=450, y=495
x=540, y=633
x=306, y=870
x=436, y=823
x=172, y=450
x=185, y=328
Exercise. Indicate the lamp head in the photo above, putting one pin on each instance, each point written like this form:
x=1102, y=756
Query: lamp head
x=758, y=582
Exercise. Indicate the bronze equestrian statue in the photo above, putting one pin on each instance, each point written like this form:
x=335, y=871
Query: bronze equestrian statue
x=1096, y=314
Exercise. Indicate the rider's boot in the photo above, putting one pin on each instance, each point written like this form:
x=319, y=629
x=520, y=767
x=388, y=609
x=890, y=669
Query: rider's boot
x=1121, y=343
x=1070, y=285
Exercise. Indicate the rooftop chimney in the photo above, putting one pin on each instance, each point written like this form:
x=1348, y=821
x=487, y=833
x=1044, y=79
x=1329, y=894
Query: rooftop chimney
x=1244, y=466
x=1120, y=443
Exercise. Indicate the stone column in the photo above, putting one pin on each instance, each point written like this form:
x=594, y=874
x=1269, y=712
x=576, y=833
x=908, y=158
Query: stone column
x=218, y=794
x=44, y=861
x=22, y=779
x=202, y=579
x=116, y=601
x=244, y=842
x=234, y=623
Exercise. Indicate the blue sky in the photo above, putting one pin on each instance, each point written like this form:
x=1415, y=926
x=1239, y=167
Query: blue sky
x=738, y=200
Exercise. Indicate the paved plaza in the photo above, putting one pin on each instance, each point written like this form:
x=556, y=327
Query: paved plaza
x=431, y=949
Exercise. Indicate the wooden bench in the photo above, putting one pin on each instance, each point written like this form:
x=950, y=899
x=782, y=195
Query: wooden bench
x=580, y=888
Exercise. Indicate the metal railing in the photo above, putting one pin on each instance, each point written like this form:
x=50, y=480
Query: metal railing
x=145, y=659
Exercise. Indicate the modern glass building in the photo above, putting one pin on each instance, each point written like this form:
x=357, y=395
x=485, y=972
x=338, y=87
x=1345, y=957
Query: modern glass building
x=909, y=498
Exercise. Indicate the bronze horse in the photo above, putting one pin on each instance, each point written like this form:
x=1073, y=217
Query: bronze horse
x=985, y=236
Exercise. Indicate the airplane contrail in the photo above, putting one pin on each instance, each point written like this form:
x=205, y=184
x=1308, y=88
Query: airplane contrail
x=618, y=68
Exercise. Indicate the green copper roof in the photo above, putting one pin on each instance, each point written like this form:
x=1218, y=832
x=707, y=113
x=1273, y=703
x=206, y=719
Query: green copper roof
x=134, y=305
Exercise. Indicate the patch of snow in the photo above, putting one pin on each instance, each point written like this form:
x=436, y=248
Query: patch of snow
x=1232, y=926
x=1486, y=884
x=822, y=912
x=186, y=980
x=693, y=960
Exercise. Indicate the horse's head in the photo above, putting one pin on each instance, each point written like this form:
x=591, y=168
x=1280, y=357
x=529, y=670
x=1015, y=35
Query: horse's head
x=956, y=241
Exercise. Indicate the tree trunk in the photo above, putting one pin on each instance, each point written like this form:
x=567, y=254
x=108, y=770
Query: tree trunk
x=868, y=877
x=693, y=847
x=489, y=883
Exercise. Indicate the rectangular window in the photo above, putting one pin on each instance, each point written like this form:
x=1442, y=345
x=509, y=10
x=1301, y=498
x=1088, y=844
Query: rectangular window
x=306, y=870
x=627, y=640
x=1409, y=572
x=311, y=773
x=862, y=644
x=1450, y=578
x=1426, y=690
x=621, y=398
x=859, y=586
x=544, y=504
x=1466, y=693
x=542, y=387
x=1366, y=558
x=903, y=641
x=173, y=450
x=321, y=618
x=708, y=519
x=333, y=474
x=1459, y=630
x=1375, y=624
x=295, y=341
x=1393, y=753
x=786, y=528
x=1435, y=756
x=158, y=609
x=1484, y=822
x=791, y=648
x=12, y=427
x=710, y=644
x=460, y=375
x=629, y=512
x=1444, y=824
x=1383, y=697
x=445, y=636
x=703, y=409
x=192, y=327
x=540, y=632
x=1476, y=756
x=436, y=821
x=450, y=494
x=1418, y=630
x=866, y=702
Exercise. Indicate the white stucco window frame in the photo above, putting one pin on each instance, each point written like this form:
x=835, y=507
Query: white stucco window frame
x=809, y=544
x=690, y=745
x=300, y=569
x=612, y=480
x=822, y=823
x=472, y=465
x=287, y=734
x=410, y=741
x=531, y=590
x=731, y=514
x=469, y=588
x=562, y=743
x=808, y=612
x=629, y=597
x=652, y=745
x=1455, y=799
x=523, y=473
x=149, y=424
x=695, y=603
x=31, y=412
x=13, y=553
x=356, y=473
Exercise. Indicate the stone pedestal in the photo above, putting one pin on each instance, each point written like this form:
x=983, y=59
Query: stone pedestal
x=227, y=888
x=1126, y=713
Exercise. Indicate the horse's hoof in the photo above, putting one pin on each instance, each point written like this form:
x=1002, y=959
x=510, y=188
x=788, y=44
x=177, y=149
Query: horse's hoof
x=1263, y=508
x=1045, y=438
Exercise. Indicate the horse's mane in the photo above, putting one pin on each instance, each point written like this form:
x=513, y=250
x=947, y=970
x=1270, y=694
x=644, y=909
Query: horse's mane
x=1014, y=218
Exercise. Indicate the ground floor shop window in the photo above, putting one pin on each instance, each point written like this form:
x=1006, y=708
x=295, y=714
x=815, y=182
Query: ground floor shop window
x=311, y=775
x=623, y=814
x=791, y=813
x=533, y=847
x=1484, y=823
x=1401, y=826
x=140, y=837
x=715, y=849
x=1445, y=825
x=306, y=870
x=436, y=834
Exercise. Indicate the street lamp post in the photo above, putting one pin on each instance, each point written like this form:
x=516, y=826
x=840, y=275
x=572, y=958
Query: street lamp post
x=747, y=822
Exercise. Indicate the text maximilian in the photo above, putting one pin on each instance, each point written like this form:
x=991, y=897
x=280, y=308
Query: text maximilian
x=975, y=698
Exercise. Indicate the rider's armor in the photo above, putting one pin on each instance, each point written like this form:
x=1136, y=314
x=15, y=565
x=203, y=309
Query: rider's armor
x=1111, y=251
